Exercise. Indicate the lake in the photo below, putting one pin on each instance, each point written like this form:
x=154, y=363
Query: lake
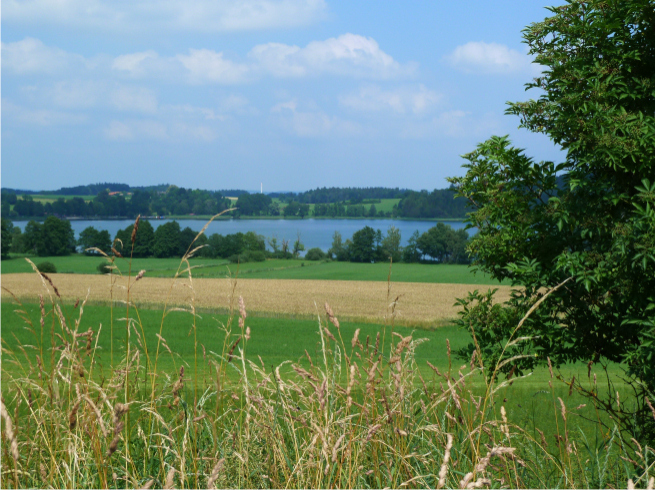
x=313, y=232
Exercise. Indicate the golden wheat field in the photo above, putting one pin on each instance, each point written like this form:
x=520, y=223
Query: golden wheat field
x=420, y=303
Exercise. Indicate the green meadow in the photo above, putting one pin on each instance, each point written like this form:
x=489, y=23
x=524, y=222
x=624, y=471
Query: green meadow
x=269, y=269
x=273, y=341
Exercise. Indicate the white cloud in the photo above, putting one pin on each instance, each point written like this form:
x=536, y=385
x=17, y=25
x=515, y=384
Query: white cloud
x=31, y=56
x=155, y=16
x=371, y=98
x=40, y=117
x=207, y=66
x=172, y=130
x=75, y=94
x=453, y=124
x=134, y=63
x=349, y=54
x=312, y=124
x=480, y=57
x=134, y=99
x=131, y=130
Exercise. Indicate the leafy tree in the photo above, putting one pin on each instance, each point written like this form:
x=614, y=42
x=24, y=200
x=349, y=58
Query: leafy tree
x=338, y=250
x=7, y=227
x=315, y=254
x=298, y=246
x=373, y=211
x=391, y=245
x=592, y=231
x=444, y=244
x=17, y=240
x=167, y=240
x=411, y=252
x=54, y=237
x=292, y=209
x=273, y=243
x=362, y=248
x=90, y=237
x=303, y=210
x=143, y=242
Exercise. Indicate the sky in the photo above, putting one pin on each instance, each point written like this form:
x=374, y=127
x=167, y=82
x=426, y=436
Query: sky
x=234, y=94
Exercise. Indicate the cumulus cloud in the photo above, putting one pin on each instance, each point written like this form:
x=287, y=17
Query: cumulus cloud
x=453, y=124
x=127, y=16
x=40, y=117
x=207, y=66
x=134, y=99
x=371, y=98
x=75, y=94
x=480, y=57
x=134, y=64
x=130, y=130
x=168, y=130
x=31, y=56
x=348, y=54
x=312, y=123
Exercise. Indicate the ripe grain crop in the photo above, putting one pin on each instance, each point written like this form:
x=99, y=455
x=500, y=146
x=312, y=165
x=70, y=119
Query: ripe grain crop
x=421, y=303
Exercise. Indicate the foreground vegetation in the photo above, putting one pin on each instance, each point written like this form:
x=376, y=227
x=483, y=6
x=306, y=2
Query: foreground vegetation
x=115, y=397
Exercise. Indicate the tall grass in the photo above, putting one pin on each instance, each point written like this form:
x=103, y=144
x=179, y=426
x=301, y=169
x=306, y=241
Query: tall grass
x=361, y=414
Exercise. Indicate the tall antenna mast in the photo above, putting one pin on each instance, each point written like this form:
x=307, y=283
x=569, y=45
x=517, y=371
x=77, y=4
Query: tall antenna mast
x=261, y=187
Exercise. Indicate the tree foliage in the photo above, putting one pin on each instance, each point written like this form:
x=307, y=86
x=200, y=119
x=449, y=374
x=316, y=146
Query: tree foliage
x=592, y=231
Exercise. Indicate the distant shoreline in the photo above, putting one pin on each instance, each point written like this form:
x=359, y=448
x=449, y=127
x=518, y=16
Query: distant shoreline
x=240, y=218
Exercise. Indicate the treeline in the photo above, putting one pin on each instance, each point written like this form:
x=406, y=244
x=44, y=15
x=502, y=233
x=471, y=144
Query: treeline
x=178, y=201
x=440, y=203
x=439, y=244
x=173, y=201
x=55, y=237
x=353, y=195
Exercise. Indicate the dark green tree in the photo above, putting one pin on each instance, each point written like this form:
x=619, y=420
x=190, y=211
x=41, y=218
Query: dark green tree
x=90, y=237
x=338, y=250
x=143, y=241
x=411, y=251
x=5, y=244
x=586, y=224
x=362, y=248
x=391, y=245
x=166, y=241
x=54, y=237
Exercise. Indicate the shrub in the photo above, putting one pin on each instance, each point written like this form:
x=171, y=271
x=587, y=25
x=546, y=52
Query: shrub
x=256, y=256
x=315, y=254
x=47, y=267
x=104, y=268
x=238, y=258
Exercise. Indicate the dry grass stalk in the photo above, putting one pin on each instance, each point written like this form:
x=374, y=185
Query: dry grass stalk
x=443, y=472
x=9, y=433
x=218, y=467
x=170, y=479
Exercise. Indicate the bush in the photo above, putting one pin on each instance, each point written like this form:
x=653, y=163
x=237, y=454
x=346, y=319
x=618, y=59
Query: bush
x=315, y=254
x=248, y=256
x=104, y=268
x=47, y=267
x=257, y=256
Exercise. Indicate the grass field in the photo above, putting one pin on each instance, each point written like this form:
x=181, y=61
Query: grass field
x=44, y=198
x=276, y=414
x=274, y=340
x=270, y=269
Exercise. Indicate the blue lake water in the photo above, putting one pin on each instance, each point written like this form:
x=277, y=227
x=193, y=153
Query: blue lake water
x=313, y=232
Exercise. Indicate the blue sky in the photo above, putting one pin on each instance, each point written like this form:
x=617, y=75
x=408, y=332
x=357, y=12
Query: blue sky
x=295, y=94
